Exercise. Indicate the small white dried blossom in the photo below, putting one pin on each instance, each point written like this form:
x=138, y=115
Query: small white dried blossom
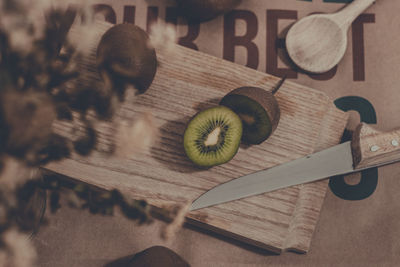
x=163, y=36
x=21, y=252
x=21, y=40
x=85, y=33
x=9, y=21
x=170, y=230
x=25, y=25
x=29, y=24
x=19, y=36
x=84, y=26
x=135, y=136
x=14, y=173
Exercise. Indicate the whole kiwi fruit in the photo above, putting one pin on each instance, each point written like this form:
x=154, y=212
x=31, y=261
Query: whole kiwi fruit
x=125, y=54
x=204, y=10
x=213, y=136
x=258, y=109
x=156, y=256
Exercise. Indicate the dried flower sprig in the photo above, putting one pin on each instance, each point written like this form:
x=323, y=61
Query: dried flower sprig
x=163, y=36
x=95, y=200
x=37, y=70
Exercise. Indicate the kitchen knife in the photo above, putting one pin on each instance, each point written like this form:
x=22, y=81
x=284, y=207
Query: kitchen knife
x=368, y=148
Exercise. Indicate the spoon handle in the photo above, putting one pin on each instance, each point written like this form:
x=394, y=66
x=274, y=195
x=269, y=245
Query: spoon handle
x=349, y=13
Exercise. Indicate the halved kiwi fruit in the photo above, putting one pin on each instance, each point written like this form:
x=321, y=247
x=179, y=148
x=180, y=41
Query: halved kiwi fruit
x=203, y=10
x=258, y=110
x=213, y=136
x=125, y=54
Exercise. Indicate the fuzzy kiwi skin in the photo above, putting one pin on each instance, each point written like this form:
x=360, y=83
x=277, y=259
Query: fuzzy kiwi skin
x=125, y=54
x=266, y=100
x=204, y=10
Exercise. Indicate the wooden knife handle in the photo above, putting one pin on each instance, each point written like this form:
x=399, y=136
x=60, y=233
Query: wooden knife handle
x=371, y=147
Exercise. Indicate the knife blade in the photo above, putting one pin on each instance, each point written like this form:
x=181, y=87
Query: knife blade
x=368, y=148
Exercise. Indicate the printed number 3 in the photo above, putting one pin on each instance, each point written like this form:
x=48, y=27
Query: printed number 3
x=369, y=178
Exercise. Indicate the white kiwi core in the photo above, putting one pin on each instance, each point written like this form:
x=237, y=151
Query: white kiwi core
x=212, y=138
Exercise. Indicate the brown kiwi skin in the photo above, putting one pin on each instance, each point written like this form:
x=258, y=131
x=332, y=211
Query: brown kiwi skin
x=204, y=10
x=266, y=99
x=125, y=54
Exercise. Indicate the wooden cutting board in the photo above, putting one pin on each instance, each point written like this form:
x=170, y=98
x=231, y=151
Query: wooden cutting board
x=188, y=81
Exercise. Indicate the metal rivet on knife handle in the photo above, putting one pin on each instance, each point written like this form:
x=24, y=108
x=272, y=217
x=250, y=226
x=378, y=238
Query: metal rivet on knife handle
x=395, y=142
x=374, y=148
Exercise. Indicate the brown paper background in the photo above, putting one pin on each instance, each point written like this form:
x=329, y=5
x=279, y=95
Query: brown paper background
x=349, y=233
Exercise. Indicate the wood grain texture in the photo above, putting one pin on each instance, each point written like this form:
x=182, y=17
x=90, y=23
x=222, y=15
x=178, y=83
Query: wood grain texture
x=372, y=147
x=318, y=42
x=187, y=82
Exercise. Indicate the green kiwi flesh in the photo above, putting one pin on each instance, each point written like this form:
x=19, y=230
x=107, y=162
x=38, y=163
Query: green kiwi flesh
x=258, y=109
x=212, y=137
x=204, y=10
x=125, y=54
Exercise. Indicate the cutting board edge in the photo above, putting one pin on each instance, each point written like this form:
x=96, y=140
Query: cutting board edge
x=261, y=79
x=334, y=117
x=232, y=237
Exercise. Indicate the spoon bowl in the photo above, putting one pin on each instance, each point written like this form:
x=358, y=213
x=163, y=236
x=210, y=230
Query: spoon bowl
x=318, y=42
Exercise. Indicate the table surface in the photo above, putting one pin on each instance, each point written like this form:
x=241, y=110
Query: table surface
x=358, y=225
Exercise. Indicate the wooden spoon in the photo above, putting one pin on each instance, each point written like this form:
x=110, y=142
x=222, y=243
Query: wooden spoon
x=317, y=42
